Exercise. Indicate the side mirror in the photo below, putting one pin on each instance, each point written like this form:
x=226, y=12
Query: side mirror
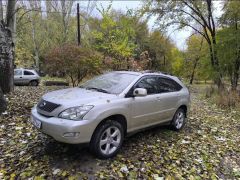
x=138, y=92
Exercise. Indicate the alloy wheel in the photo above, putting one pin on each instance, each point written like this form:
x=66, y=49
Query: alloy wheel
x=110, y=140
x=179, y=120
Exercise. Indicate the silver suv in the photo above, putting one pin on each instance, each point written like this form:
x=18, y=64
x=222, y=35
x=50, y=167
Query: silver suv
x=103, y=110
x=26, y=77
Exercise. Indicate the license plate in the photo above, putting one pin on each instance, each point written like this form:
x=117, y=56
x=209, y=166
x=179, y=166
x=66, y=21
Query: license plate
x=36, y=122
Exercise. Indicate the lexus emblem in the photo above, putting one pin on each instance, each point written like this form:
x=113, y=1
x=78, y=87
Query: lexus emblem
x=43, y=104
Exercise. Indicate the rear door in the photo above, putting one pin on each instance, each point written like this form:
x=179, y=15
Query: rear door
x=28, y=76
x=167, y=98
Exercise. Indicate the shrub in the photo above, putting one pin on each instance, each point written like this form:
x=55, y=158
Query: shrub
x=228, y=99
x=74, y=61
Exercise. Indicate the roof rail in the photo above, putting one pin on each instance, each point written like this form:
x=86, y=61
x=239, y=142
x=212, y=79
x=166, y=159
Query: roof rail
x=153, y=71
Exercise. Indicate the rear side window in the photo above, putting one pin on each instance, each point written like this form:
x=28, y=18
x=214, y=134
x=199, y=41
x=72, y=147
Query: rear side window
x=168, y=85
x=28, y=73
x=17, y=72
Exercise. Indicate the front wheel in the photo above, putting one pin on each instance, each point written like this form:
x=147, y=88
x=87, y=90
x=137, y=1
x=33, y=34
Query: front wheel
x=107, y=139
x=179, y=119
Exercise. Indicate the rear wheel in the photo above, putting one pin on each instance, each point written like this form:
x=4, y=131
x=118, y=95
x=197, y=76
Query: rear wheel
x=33, y=83
x=179, y=119
x=107, y=139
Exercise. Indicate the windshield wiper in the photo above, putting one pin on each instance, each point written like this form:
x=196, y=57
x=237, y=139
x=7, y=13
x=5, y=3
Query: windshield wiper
x=97, y=89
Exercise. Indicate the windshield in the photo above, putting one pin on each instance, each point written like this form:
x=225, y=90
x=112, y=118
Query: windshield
x=113, y=83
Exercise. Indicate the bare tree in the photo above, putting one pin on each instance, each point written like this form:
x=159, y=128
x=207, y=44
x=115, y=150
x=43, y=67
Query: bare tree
x=35, y=5
x=64, y=7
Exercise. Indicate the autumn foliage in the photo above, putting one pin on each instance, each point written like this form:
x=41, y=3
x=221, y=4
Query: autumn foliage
x=73, y=61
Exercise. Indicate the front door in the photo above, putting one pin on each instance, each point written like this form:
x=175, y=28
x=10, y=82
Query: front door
x=144, y=110
x=18, y=76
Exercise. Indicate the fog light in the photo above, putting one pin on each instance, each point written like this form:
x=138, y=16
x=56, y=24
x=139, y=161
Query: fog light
x=71, y=134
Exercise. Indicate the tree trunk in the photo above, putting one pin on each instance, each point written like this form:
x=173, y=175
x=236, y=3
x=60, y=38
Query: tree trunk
x=215, y=64
x=196, y=62
x=236, y=69
x=235, y=76
x=1, y=10
x=193, y=72
x=11, y=17
x=35, y=44
x=3, y=103
x=6, y=59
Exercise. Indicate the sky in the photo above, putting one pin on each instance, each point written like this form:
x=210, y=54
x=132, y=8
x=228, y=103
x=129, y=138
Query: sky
x=178, y=37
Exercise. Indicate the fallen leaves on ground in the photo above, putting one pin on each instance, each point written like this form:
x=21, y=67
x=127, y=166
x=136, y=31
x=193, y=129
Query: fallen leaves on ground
x=207, y=148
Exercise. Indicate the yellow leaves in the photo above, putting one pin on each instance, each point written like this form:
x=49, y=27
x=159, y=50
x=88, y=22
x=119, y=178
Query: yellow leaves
x=64, y=173
x=23, y=58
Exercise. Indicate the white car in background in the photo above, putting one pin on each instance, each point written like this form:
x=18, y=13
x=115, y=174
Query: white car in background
x=26, y=77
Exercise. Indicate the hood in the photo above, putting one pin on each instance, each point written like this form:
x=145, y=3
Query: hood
x=76, y=96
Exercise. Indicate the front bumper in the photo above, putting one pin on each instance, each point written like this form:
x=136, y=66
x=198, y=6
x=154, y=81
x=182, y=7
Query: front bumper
x=58, y=128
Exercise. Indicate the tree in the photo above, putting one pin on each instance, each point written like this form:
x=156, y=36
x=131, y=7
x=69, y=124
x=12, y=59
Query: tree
x=197, y=15
x=178, y=63
x=229, y=41
x=65, y=9
x=73, y=61
x=196, y=51
x=1, y=10
x=160, y=53
x=7, y=48
x=3, y=103
x=114, y=37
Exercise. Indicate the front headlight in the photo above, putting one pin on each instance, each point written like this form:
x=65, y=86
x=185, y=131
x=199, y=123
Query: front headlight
x=75, y=113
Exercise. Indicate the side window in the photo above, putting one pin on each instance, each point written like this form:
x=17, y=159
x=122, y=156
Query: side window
x=28, y=73
x=149, y=83
x=17, y=72
x=168, y=85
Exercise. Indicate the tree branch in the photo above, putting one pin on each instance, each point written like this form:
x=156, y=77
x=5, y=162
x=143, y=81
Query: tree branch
x=197, y=11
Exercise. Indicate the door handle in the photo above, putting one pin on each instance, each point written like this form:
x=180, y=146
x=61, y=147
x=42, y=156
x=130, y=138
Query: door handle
x=158, y=98
x=20, y=77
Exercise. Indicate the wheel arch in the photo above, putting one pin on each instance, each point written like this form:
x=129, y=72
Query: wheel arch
x=34, y=80
x=116, y=117
x=185, y=108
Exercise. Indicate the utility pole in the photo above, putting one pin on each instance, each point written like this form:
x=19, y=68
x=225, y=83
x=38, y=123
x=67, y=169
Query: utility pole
x=78, y=26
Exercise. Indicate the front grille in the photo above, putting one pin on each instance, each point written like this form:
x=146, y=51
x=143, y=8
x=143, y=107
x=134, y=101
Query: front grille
x=47, y=106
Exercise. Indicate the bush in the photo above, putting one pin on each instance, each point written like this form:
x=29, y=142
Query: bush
x=73, y=61
x=228, y=99
x=210, y=91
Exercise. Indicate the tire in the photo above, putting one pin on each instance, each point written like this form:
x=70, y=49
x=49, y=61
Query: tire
x=107, y=139
x=33, y=83
x=179, y=119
